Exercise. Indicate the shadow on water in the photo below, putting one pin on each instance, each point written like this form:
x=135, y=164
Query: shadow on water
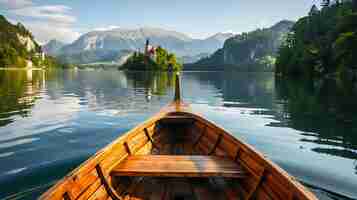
x=324, y=110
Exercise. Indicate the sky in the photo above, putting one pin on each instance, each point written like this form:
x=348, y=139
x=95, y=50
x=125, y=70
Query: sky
x=66, y=20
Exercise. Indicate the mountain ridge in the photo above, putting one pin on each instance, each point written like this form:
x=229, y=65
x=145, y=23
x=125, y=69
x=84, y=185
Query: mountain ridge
x=256, y=49
x=134, y=39
x=53, y=46
x=106, y=42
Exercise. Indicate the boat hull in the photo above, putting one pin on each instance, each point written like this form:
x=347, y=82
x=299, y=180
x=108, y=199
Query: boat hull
x=177, y=131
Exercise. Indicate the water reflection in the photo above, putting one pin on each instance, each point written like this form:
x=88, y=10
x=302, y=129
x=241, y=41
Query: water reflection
x=18, y=93
x=324, y=110
x=240, y=89
x=43, y=111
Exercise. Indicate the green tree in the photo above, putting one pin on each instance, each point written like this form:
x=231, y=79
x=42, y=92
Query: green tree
x=322, y=43
x=163, y=61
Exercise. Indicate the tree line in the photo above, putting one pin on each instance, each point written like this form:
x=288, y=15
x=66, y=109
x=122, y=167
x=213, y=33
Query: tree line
x=161, y=61
x=14, y=53
x=324, y=42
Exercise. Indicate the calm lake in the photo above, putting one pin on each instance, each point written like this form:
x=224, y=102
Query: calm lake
x=51, y=121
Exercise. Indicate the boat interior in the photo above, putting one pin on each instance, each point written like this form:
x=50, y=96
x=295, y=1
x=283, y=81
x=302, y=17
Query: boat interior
x=183, y=142
x=177, y=155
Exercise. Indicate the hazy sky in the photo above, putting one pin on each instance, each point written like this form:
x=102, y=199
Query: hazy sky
x=66, y=20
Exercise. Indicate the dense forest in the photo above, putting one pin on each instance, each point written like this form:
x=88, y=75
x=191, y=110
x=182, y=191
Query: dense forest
x=19, y=49
x=162, y=60
x=324, y=43
x=14, y=53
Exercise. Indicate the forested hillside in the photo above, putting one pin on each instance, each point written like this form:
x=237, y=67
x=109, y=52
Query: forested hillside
x=324, y=42
x=18, y=47
x=253, y=51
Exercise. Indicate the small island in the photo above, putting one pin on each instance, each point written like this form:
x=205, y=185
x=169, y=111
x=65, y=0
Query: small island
x=152, y=59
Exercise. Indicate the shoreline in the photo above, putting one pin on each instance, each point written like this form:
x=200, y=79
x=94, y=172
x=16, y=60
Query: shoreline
x=19, y=68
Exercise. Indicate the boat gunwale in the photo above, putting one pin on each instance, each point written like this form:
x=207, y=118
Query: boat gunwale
x=169, y=110
x=177, y=107
x=100, y=154
x=268, y=164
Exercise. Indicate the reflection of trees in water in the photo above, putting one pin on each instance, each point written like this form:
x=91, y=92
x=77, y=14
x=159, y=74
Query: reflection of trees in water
x=18, y=93
x=325, y=109
x=248, y=90
x=109, y=89
x=156, y=83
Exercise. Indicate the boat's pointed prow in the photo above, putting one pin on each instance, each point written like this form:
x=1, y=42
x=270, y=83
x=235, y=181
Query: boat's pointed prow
x=177, y=88
x=171, y=151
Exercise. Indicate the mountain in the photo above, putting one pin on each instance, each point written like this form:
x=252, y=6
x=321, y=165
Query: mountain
x=17, y=45
x=18, y=48
x=53, y=47
x=255, y=49
x=208, y=45
x=96, y=56
x=134, y=39
x=126, y=39
x=194, y=58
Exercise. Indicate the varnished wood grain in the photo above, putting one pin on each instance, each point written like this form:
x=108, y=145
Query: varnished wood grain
x=178, y=166
x=199, y=137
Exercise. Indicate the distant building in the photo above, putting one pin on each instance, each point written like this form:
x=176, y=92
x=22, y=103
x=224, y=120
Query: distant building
x=150, y=51
x=41, y=55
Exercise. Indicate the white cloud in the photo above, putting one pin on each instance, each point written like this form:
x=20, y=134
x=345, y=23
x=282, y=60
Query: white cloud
x=45, y=21
x=15, y=4
x=46, y=31
x=106, y=28
x=56, y=13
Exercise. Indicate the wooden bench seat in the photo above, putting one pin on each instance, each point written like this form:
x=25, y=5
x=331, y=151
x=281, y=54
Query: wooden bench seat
x=178, y=166
x=177, y=120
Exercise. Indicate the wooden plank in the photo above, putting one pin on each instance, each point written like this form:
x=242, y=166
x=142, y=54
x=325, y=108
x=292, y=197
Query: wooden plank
x=254, y=190
x=177, y=120
x=207, y=190
x=91, y=189
x=215, y=145
x=100, y=194
x=105, y=183
x=159, y=191
x=149, y=137
x=178, y=166
x=249, y=157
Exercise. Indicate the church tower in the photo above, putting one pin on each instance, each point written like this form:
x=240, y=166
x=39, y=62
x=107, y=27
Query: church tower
x=146, y=52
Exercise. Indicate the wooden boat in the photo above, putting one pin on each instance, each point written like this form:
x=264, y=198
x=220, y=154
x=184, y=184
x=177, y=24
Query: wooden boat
x=177, y=155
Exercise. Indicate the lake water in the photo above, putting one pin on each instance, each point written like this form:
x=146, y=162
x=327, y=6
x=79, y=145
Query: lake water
x=51, y=121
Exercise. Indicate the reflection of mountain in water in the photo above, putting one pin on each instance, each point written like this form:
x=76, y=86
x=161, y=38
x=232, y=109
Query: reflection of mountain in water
x=120, y=91
x=18, y=92
x=97, y=90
